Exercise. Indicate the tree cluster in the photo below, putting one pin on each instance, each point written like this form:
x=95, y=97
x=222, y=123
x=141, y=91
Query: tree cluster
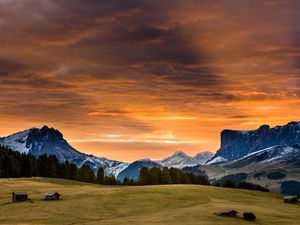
x=167, y=175
x=243, y=185
x=14, y=164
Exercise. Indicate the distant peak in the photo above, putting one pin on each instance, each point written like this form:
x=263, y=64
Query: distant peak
x=264, y=127
x=45, y=127
x=144, y=160
x=294, y=123
x=45, y=130
x=180, y=153
x=204, y=153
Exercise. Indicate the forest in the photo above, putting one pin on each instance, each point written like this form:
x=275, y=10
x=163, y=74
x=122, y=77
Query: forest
x=14, y=164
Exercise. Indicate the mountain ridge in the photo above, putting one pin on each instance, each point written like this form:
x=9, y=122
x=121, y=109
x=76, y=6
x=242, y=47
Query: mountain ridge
x=50, y=141
x=236, y=144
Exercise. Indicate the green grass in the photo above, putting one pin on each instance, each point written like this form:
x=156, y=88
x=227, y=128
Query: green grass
x=84, y=203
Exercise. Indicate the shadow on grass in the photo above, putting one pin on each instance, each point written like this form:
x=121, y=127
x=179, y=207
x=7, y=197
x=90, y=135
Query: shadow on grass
x=18, y=202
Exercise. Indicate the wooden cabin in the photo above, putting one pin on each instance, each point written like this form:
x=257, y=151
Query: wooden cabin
x=228, y=213
x=52, y=195
x=19, y=196
x=290, y=199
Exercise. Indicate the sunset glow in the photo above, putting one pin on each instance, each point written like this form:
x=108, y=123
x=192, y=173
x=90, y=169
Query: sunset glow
x=141, y=79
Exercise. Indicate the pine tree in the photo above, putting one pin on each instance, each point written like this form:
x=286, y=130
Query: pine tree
x=175, y=175
x=165, y=176
x=144, y=177
x=26, y=166
x=110, y=180
x=155, y=175
x=86, y=174
x=100, y=176
x=72, y=172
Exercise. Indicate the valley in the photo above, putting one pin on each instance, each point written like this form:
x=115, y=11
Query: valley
x=83, y=203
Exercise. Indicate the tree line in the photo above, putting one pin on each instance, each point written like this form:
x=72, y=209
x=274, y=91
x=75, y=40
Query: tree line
x=14, y=164
x=242, y=185
x=167, y=175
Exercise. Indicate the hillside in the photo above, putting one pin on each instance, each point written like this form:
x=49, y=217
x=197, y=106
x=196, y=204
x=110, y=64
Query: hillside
x=84, y=203
x=261, y=166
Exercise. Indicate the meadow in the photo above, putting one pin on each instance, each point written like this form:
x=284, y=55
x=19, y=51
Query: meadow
x=84, y=203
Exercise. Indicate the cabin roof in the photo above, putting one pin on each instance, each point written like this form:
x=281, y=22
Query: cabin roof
x=51, y=193
x=290, y=197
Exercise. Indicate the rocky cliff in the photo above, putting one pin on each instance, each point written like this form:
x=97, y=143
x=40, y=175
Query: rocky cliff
x=236, y=144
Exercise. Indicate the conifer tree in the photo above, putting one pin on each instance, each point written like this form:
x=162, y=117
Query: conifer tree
x=100, y=176
x=165, y=176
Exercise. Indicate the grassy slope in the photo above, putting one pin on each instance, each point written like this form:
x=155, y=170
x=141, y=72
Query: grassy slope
x=174, y=204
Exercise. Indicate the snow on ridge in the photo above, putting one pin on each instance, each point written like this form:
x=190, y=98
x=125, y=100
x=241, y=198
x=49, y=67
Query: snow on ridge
x=16, y=141
x=218, y=159
x=286, y=150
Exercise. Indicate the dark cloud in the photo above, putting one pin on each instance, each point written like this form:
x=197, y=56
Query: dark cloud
x=101, y=66
x=8, y=66
x=32, y=80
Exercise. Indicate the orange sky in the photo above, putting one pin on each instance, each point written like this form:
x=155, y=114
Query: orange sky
x=136, y=79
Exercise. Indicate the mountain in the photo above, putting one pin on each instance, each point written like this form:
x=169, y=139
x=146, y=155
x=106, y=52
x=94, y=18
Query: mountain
x=236, y=144
x=133, y=170
x=50, y=141
x=270, y=167
x=278, y=156
x=179, y=159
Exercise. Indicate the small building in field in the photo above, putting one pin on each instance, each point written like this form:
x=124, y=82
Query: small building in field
x=19, y=196
x=290, y=199
x=227, y=213
x=52, y=195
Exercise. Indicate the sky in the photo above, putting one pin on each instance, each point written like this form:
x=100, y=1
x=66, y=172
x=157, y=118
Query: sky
x=141, y=79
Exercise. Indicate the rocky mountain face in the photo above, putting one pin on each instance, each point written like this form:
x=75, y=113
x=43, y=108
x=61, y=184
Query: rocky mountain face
x=269, y=167
x=179, y=159
x=133, y=170
x=278, y=156
x=236, y=144
x=51, y=142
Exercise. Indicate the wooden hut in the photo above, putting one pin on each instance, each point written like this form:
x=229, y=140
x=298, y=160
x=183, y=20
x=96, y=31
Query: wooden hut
x=227, y=213
x=52, y=195
x=19, y=196
x=290, y=199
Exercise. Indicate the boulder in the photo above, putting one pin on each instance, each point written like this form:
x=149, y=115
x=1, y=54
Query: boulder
x=249, y=216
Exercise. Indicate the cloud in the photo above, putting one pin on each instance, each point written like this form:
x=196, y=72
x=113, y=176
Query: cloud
x=96, y=67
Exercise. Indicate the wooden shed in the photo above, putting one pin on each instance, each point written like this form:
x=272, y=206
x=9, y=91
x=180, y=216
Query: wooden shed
x=227, y=213
x=19, y=196
x=52, y=195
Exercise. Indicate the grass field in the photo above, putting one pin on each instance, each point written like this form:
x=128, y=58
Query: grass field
x=84, y=203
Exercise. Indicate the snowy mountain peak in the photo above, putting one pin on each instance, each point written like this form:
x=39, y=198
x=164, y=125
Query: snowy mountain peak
x=179, y=159
x=50, y=141
x=202, y=154
x=144, y=160
x=180, y=153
